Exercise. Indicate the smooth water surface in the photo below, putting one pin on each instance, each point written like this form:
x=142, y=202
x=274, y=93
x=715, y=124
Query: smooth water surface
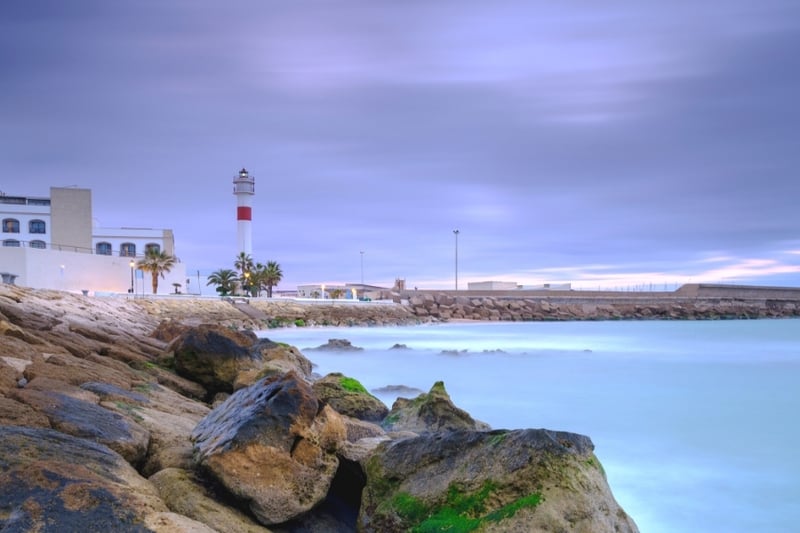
x=694, y=422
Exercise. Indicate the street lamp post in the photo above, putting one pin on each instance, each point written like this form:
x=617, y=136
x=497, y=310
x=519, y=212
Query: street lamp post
x=132, y=264
x=456, y=232
x=362, y=270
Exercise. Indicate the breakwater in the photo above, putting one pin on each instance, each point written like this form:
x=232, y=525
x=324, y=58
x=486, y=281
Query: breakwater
x=690, y=302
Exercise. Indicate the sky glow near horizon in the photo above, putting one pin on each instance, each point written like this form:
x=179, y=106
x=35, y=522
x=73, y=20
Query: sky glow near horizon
x=614, y=146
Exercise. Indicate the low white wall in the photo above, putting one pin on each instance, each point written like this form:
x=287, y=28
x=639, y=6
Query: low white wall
x=74, y=271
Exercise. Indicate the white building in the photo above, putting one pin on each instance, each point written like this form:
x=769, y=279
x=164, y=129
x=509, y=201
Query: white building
x=51, y=243
x=492, y=286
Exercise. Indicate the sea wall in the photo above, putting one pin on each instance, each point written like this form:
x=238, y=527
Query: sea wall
x=696, y=303
x=690, y=302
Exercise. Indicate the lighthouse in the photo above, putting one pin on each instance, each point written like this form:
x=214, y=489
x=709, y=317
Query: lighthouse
x=244, y=187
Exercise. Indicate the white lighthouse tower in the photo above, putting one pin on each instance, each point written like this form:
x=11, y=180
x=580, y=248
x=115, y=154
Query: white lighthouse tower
x=244, y=187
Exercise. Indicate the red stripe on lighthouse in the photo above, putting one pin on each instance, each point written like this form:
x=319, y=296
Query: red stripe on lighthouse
x=244, y=213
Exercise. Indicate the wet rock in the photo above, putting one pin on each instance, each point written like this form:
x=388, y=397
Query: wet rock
x=80, y=418
x=271, y=445
x=429, y=412
x=55, y=482
x=337, y=345
x=522, y=480
x=213, y=356
x=398, y=390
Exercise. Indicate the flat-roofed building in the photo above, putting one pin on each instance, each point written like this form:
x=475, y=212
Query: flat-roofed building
x=50, y=242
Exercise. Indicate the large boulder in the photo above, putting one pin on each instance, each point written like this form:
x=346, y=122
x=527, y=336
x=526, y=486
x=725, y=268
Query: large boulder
x=522, y=480
x=275, y=358
x=272, y=445
x=348, y=397
x=52, y=482
x=214, y=355
x=430, y=412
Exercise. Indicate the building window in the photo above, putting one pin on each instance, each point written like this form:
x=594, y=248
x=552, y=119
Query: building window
x=152, y=247
x=102, y=248
x=128, y=249
x=11, y=242
x=10, y=225
x=37, y=226
x=38, y=244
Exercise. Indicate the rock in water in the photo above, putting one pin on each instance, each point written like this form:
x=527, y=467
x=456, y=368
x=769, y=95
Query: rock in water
x=433, y=411
x=338, y=345
x=522, y=480
x=271, y=445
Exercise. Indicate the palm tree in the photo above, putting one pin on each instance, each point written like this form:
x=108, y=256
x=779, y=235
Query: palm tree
x=272, y=275
x=157, y=263
x=244, y=264
x=337, y=293
x=225, y=279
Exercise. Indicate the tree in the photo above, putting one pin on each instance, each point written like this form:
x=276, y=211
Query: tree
x=336, y=293
x=244, y=264
x=157, y=263
x=271, y=276
x=225, y=279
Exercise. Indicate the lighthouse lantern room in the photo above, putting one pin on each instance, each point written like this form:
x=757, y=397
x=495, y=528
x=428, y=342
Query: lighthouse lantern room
x=244, y=187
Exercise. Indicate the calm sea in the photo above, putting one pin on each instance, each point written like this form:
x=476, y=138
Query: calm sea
x=696, y=423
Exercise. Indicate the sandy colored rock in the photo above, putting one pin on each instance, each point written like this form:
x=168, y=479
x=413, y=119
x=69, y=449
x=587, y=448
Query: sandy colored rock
x=429, y=412
x=348, y=397
x=185, y=494
x=522, y=480
x=271, y=445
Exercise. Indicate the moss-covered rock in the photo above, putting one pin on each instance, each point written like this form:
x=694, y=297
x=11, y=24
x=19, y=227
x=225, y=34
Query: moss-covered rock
x=461, y=481
x=349, y=397
x=434, y=411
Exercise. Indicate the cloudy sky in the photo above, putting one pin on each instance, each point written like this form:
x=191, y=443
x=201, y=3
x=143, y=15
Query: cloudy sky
x=611, y=144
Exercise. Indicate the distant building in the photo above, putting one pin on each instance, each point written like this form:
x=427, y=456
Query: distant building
x=548, y=287
x=492, y=286
x=348, y=291
x=51, y=243
x=513, y=286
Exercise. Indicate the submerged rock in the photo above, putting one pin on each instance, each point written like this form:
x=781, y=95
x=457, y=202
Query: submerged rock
x=338, y=345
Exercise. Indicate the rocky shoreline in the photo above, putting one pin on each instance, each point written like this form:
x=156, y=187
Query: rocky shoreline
x=147, y=415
